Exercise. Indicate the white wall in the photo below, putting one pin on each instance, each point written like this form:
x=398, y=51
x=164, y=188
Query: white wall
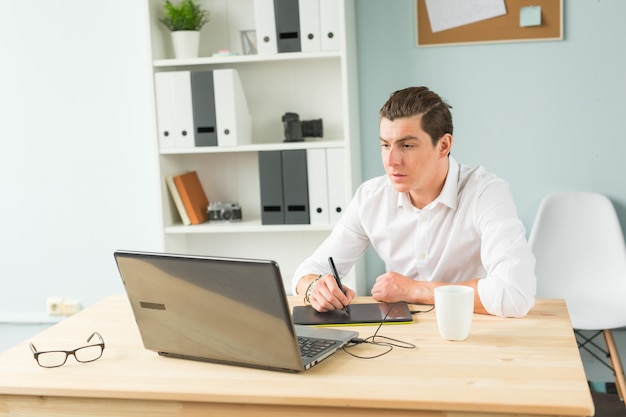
x=77, y=163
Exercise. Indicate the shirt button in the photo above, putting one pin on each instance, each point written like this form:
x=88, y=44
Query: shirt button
x=421, y=256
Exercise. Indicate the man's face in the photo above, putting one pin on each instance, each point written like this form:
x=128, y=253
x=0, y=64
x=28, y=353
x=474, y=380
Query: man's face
x=411, y=161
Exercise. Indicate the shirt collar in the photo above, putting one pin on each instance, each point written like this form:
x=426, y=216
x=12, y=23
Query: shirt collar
x=449, y=192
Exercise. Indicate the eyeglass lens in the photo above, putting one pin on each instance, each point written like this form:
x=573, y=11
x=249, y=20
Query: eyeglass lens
x=52, y=359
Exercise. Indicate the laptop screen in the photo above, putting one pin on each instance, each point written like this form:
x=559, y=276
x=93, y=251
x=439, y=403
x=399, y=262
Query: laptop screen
x=208, y=308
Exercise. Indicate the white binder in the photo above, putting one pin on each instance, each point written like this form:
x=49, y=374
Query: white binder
x=164, y=97
x=265, y=22
x=234, y=125
x=329, y=25
x=310, y=39
x=174, y=111
x=337, y=193
x=317, y=174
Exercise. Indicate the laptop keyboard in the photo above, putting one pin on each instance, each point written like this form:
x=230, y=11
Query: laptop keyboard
x=311, y=347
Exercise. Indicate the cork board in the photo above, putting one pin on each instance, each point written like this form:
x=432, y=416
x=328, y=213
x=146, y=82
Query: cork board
x=505, y=28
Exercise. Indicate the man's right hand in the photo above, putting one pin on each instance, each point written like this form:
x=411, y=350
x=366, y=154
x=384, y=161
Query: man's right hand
x=326, y=294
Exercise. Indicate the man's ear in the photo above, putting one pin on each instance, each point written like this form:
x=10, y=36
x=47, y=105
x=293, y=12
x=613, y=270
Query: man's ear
x=445, y=145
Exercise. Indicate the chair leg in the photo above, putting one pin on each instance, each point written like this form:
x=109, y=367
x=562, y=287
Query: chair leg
x=620, y=381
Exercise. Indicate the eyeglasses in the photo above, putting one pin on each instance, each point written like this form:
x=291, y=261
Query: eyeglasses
x=56, y=358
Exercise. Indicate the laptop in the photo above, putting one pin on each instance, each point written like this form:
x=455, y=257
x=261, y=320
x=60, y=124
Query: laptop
x=225, y=310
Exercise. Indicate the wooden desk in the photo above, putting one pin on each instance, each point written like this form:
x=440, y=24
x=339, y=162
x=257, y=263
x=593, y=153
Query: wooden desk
x=528, y=366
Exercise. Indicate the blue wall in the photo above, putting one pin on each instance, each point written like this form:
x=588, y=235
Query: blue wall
x=546, y=116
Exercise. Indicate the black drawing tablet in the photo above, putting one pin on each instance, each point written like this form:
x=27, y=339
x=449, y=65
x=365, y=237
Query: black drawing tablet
x=369, y=313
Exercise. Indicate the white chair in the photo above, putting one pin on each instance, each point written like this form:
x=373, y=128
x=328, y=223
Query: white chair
x=581, y=257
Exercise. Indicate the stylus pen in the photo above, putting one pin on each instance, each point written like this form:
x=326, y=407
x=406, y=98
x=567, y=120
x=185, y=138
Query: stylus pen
x=336, y=275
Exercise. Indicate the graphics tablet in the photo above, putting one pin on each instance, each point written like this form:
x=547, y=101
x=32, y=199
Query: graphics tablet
x=369, y=313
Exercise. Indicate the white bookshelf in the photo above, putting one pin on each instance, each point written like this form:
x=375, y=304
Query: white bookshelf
x=314, y=85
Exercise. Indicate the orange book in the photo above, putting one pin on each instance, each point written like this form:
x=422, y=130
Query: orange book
x=193, y=196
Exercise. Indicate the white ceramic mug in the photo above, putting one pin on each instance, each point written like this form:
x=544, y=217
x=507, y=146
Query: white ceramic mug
x=454, y=309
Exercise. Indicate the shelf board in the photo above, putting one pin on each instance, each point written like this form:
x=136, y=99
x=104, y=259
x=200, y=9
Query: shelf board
x=244, y=59
x=254, y=147
x=245, y=226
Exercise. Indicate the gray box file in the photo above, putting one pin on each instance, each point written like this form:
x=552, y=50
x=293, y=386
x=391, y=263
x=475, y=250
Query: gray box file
x=271, y=182
x=203, y=105
x=287, y=17
x=295, y=187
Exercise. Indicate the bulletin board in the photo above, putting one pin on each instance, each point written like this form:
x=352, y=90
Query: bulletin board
x=505, y=28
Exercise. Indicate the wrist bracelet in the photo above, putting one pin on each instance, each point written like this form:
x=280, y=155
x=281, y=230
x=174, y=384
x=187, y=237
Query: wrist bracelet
x=309, y=290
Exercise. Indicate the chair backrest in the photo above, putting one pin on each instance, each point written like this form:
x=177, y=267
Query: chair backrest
x=581, y=257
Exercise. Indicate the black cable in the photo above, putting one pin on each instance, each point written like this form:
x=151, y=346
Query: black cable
x=388, y=342
x=432, y=307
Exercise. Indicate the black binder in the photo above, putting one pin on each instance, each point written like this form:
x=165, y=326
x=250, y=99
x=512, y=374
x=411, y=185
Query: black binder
x=203, y=105
x=287, y=15
x=295, y=187
x=271, y=182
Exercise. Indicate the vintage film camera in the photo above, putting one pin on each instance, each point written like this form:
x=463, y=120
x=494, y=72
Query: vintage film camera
x=224, y=211
x=296, y=130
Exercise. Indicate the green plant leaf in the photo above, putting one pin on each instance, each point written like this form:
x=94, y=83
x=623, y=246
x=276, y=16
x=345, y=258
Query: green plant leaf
x=185, y=15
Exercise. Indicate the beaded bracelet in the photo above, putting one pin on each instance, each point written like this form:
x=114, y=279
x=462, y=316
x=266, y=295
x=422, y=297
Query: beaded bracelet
x=309, y=290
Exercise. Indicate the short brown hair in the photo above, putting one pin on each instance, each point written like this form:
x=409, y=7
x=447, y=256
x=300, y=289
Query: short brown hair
x=414, y=101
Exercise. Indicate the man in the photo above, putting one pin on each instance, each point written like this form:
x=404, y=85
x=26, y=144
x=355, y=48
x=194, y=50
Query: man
x=432, y=221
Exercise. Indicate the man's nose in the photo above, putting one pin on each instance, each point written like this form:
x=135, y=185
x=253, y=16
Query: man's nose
x=393, y=157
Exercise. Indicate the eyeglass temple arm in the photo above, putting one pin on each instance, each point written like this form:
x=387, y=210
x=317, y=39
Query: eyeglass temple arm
x=96, y=334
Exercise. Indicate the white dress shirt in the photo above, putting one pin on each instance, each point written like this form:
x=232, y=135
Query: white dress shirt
x=471, y=230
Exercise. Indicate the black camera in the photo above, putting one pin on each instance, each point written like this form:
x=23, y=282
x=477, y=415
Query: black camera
x=296, y=130
x=224, y=211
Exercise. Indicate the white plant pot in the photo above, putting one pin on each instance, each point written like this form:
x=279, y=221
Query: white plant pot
x=186, y=43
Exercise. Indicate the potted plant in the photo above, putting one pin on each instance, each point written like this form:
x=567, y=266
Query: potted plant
x=184, y=20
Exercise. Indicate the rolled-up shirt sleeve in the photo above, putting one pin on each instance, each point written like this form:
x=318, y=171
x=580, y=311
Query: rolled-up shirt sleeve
x=510, y=285
x=346, y=243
